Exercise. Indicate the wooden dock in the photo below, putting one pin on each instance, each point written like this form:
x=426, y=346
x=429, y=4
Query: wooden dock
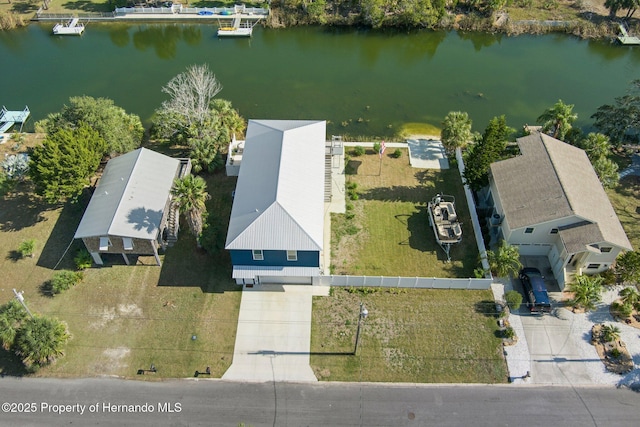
x=626, y=39
x=9, y=118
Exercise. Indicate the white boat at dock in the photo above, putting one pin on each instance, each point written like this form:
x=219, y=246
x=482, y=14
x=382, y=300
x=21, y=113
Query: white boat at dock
x=235, y=32
x=71, y=27
x=444, y=221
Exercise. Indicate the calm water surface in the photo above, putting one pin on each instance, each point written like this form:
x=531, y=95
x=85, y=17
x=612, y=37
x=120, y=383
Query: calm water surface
x=363, y=82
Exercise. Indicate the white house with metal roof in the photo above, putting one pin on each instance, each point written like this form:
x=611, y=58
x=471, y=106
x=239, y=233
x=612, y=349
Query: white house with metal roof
x=549, y=201
x=277, y=220
x=131, y=207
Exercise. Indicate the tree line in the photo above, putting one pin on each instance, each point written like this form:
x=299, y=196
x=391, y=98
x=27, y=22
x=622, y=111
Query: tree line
x=618, y=124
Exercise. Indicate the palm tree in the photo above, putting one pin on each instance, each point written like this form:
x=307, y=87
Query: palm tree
x=456, y=131
x=12, y=314
x=558, y=119
x=630, y=296
x=610, y=333
x=40, y=340
x=190, y=194
x=504, y=260
x=586, y=292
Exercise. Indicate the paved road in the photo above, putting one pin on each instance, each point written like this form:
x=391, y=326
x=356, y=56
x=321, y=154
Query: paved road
x=221, y=403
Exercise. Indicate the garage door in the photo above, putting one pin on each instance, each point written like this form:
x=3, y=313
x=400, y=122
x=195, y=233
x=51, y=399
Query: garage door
x=287, y=280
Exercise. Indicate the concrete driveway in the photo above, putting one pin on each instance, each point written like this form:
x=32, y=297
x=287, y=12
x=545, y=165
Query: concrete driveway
x=274, y=334
x=555, y=350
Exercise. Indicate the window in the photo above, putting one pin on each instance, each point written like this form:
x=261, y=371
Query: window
x=104, y=243
x=127, y=242
x=292, y=255
x=606, y=249
x=257, y=255
x=553, y=231
x=593, y=266
x=528, y=230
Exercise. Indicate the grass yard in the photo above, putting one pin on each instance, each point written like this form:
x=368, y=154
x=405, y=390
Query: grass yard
x=123, y=318
x=417, y=335
x=626, y=201
x=387, y=232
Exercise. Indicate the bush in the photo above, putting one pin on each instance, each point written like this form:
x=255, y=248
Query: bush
x=64, y=280
x=27, y=247
x=513, y=299
x=621, y=310
x=508, y=333
x=615, y=353
x=376, y=147
x=83, y=259
x=358, y=151
x=397, y=153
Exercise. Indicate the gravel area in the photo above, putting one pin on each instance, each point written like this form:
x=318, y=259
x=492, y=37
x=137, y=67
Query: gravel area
x=518, y=356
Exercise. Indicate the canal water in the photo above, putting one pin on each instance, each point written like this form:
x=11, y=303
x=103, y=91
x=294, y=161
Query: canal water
x=362, y=82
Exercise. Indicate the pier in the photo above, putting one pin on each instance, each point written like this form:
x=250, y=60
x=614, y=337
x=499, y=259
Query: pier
x=9, y=118
x=625, y=38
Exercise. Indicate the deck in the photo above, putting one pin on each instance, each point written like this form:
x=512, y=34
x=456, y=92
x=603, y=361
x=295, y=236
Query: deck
x=626, y=39
x=9, y=118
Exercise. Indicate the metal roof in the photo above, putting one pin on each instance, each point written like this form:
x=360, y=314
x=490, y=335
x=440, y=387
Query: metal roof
x=131, y=196
x=251, y=271
x=279, y=198
x=553, y=180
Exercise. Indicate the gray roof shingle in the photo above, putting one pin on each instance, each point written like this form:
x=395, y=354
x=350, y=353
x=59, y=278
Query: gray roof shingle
x=552, y=180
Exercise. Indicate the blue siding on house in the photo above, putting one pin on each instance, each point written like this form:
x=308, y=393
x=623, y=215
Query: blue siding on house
x=276, y=258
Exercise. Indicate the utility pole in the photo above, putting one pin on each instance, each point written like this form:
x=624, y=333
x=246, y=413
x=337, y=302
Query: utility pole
x=20, y=298
x=362, y=315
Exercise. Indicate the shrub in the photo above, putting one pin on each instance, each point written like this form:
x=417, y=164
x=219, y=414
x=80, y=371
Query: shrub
x=349, y=206
x=83, y=259
x=513, y=299
x=27, y=247
x=508, y=333
x=615, y=353
x=397, y=153
x=621, y=310
x=358, y=151
x=376, y=147
x=610, y=333
x=64, y=280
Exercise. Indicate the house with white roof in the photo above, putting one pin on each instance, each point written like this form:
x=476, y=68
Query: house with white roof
x=276, y=227
x=130, y=212
x=549, y=201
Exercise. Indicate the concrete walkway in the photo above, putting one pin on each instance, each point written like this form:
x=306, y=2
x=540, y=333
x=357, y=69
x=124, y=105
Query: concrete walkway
x=273, y=338
x=427, y=153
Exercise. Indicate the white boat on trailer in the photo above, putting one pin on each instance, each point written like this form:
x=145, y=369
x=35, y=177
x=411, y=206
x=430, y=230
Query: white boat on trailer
x=444, y=221
x=72, y=27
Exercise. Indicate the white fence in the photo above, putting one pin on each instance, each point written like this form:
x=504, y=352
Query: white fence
x=475, y=222
x=403, y=282
x=192, y=10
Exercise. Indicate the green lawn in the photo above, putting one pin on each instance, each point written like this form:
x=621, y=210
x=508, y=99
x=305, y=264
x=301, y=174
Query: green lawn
x=393, y=233
x=416, y=335
x=123, y=318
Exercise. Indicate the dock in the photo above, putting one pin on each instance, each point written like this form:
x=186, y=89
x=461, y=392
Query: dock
x=625, y=38
x=9, y=118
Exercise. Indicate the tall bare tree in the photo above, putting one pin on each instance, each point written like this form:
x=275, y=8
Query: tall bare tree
x=191, y=94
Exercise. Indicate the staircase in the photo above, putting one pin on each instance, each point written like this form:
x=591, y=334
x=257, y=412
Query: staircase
x=327, y=174
x=173, y=225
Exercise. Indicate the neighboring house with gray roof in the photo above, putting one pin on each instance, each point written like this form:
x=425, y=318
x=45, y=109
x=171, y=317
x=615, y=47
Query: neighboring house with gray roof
x=276, y=228
x=130, y=212
x=549, y=201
